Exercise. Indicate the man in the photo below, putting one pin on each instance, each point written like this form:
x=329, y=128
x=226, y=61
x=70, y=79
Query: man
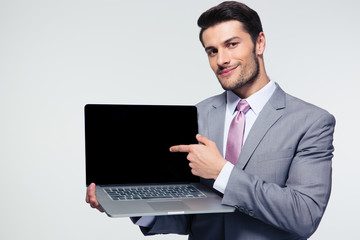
x=280, y=182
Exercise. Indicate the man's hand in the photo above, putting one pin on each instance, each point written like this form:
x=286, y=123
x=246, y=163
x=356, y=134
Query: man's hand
x=91, y=198
x=205, y=159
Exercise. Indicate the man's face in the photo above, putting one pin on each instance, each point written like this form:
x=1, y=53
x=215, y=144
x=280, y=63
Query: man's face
x=231, y=54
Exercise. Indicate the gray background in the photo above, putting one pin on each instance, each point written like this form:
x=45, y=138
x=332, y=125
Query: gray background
x=56, y=56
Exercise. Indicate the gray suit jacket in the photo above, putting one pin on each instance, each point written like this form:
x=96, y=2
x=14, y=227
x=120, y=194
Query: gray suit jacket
x=282, y=181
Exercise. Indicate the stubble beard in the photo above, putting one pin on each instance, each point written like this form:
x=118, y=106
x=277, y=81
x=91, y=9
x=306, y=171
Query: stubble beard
x=244, y=78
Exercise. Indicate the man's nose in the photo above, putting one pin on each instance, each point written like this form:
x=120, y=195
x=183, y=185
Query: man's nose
x=223, y=58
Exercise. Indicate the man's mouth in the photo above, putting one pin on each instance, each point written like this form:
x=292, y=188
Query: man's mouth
x=227, y=71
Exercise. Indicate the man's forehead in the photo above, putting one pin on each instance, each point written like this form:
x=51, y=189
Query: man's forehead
x=222, y=32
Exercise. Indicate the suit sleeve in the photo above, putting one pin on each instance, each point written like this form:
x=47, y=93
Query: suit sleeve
x=175, y=224
x=298, y=206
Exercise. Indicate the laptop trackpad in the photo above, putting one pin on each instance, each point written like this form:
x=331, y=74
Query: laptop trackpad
x=169, y=206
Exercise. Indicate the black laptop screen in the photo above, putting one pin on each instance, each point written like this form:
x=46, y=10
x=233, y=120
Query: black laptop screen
x=128, y=144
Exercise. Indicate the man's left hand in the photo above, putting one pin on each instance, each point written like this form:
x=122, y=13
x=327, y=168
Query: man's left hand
x=205, y=158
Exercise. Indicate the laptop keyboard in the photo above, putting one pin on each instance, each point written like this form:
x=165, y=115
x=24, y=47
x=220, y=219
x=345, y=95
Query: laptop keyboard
x=153, y=192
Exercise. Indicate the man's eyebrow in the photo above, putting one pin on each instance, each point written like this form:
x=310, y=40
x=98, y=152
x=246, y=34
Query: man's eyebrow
x=226, y=42
x=209, y=48
x=232, y=39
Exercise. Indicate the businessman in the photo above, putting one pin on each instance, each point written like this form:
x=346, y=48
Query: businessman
x=267, y=152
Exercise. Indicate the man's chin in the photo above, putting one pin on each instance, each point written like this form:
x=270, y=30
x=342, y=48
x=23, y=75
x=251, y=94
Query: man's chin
x=231, y=87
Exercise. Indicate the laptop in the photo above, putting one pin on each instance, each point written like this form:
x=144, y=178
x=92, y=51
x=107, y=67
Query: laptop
x=128, y=158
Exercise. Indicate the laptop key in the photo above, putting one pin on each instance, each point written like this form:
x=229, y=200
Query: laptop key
x=155, y=197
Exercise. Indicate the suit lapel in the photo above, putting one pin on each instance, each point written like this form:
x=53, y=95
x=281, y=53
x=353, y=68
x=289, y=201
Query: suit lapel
x=217, y=118
x=271, y=113
x=215, y=123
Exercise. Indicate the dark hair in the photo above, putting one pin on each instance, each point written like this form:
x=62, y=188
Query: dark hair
x=231, y=10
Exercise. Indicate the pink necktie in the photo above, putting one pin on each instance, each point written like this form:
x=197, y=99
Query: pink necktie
x=236, y=133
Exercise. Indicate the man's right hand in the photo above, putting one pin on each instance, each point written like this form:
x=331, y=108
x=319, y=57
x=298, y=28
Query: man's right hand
x=91, y=197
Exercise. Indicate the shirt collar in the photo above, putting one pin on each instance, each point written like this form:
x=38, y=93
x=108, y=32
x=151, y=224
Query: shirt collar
x=256, y=101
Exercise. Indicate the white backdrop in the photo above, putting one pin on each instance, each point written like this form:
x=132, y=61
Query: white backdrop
x=56, y=56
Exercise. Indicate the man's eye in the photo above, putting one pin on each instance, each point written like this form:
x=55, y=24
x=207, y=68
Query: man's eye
x=233, y=44
x=211, y=52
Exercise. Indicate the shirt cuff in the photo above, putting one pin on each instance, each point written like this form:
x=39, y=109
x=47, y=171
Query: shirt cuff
x=145, y=221
x=223, y=178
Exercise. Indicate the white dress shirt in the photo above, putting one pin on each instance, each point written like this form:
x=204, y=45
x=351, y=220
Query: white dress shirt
x=256, y=101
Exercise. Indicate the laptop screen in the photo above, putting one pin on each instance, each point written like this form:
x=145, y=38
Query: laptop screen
x=129, y=144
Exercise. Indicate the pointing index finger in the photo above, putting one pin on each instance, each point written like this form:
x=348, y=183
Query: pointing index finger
x=180, y=148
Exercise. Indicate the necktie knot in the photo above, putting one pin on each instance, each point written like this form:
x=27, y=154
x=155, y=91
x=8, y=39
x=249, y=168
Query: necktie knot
x=243, y=106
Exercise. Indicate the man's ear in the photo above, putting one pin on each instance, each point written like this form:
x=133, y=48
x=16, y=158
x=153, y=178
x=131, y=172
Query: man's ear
x=260, y=44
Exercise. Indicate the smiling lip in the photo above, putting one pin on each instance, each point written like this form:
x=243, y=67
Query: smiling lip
x=227, y=71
